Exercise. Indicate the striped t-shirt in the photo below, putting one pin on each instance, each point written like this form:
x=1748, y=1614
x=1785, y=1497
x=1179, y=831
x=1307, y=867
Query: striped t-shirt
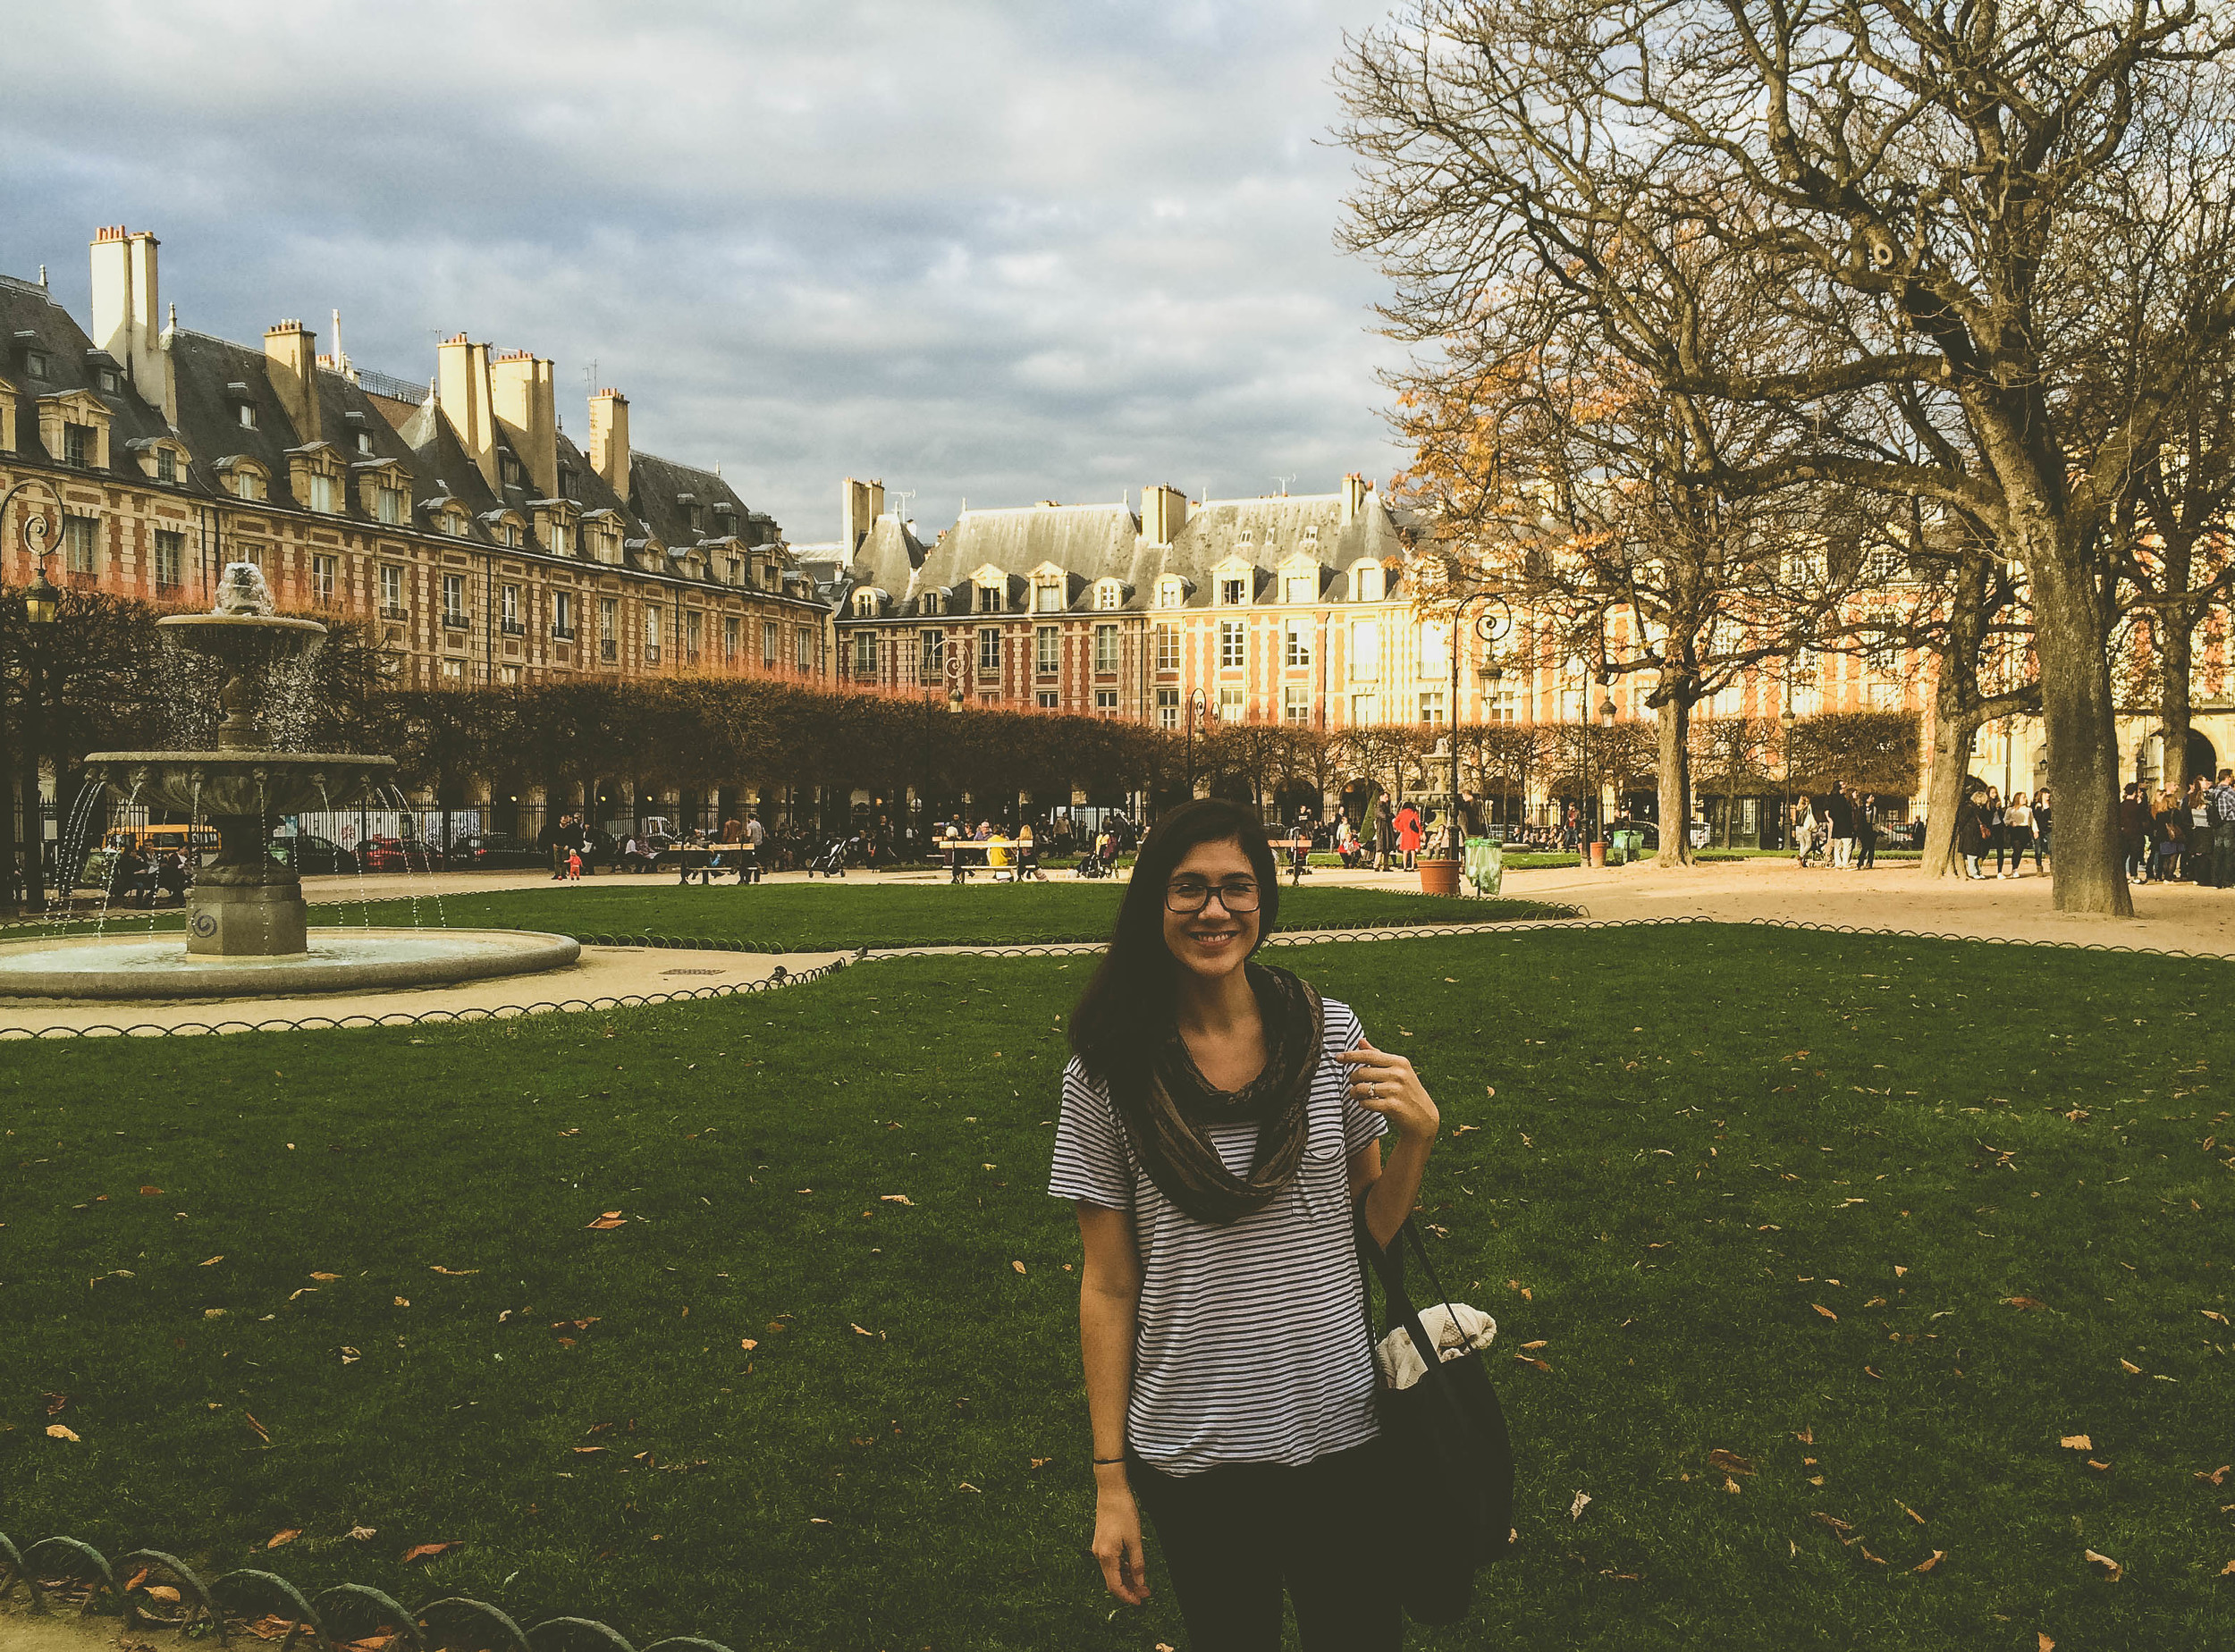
x=1251, y=1344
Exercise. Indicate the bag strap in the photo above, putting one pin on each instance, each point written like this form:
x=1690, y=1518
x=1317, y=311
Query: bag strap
x=1397, y=1301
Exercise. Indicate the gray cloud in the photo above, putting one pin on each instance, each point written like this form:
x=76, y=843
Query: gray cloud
x=991, y=249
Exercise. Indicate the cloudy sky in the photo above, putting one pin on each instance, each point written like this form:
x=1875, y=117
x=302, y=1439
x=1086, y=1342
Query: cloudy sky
x=992, y=250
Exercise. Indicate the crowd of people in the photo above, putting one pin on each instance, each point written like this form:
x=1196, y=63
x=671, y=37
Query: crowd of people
x=2177, y=836
x=1838, y=828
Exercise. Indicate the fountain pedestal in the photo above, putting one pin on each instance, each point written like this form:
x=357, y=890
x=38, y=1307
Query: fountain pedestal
x=246, y=905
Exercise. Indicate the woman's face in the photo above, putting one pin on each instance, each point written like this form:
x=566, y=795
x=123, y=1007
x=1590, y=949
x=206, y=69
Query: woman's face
x=1211, y=941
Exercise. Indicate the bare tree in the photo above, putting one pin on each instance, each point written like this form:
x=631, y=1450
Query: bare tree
x=1963, y=222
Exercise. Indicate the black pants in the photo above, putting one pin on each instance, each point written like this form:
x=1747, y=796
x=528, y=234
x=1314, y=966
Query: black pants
x=1237, y=1536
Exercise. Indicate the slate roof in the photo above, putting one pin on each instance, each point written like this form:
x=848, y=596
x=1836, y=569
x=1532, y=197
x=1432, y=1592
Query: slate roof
x=30, y=320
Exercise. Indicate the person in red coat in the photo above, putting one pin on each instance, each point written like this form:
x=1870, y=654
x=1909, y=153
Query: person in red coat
x=1408, y=834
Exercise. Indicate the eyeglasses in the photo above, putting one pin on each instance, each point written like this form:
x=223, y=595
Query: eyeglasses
x=1185, y=895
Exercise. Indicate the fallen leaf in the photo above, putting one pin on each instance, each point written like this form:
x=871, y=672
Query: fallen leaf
x=2023, y=1302
x=1730, y=1485
x=213, y=1313
x=2099, y=1466
x=2214, y=1313
x=278, y=1537
x=363, y=1534
x=455, y=1273
x=57, y=1403
x=1937, y=1556
x=213, y=1261
x=1806, y=1437
x=2111, y=1569
x=1832, y=1521
x=426, y=1551
x=2217, y=1475
x=747, y=1344
x=326, y=1279
x=611, y=1219
x=1515, y=1284
x=817, y=1520
x=1575, y=1509
x=1897, y=1272
x=2131, y=1369
x=1866, y=1554
x=584, y=1451
x=1019, y=1265
x=1041, y=1463
x=350, y=1356
x=858, y=1331
x=2042, y=1643
x=966, y=1486
x=57, y=1431
x=164, y=1592
x=2228, y=1570
x=301, y=1290
x=895, y=1198
x=1872, y=1374
x=403, y=1301
x=1528, y=1359
x=1911, y=1512
x=1827, y=1312
x=1729, y=1461
x=151, y=1192
x=261, y=1432
x=2076, y=1442
x=1533, y=1346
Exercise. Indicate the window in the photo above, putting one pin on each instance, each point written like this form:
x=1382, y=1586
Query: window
x=391, y=592
x=1049, y=700
x=454, y=600
x=1432, y=705
x=322, y=493
x=321, y=571
x=1230, y=706
x=1365, y=651
x=508, y=675
x=1435, y=649
x=1109, y=596
x=245, y=485
x=865, y=604
x=932, y=602
x=989, y=599
x=865, y=654
x=1499, y=706
x=1231, y=593
x=609, y=629
x=1296, y=644
x=78, y=534
x=108, y=380
x=35, y=363
x=508, y=533
x=1167, y=648
x=561, y=538
x=1366, y=583
x=803, y=647
x=1295, y=702
x=562, y=615
x=170, y=559
x=1882, y=566
x=652, y=620
x=77, y=445
x=1301, y=587
x=693, y=635
x=934, y=657
x=509, y=597
x=1106, y=702
x=454, y=671
x=733, y=572
x=364, y=442
x=248, y=415
x=390, y=506
x=729, y=637
x=771, y=642
x=1364, y=711
x=1046, y=646
x=1105, y=647
x=1232, y=647
x=1048, y=596
x=1167, y=708
x=166, y=465
x=989, y=650
x=454, y=524
x=1170, y=591
x=508, y=467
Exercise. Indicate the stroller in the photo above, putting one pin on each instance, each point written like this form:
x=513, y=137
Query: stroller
x=831, y=862
x=1090, y=866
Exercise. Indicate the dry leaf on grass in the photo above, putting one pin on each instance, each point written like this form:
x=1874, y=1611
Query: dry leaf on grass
x=1531, y=1359
x=403, y=1301
x=363, y=1534
x=584, y=1451
x=151, y=1192
x=1729, y=1461
x=1532, y=1347
x=2099, y=1466
x=2076, y=1442
x=163, y=1592
x=1937, y=1556
x=2228, y=1570
x=350, y=1356
x=271, y=1627
x=278, y=1537
x=2111, y=1569
x=614, y=1218
x=2217, y=1475
x=1730, y=1485
x=2042, y=1643
x=1526, y=1295
x=326, y=1279
x=1575, y=1509
x=2214, y=1313
x=261, y=1432
x=2023, y=1302
x=1806, y=1437
x=213, y=1261
x=56, y=1431
x=1911, y=1512
x=747, y=1344
x=427, y=1551
x=894, y=1199
x=1827, y=1312
x=455, y=1273
x=2131, y=1369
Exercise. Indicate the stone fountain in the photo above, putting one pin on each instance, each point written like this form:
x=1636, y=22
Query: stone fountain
x=247, y=927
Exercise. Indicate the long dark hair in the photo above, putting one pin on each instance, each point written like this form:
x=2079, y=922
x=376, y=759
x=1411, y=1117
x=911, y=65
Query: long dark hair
x=1127, y=1009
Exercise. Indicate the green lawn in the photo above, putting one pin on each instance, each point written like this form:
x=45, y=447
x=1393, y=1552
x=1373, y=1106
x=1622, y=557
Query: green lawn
x=781, y=917
x=1701, y=1139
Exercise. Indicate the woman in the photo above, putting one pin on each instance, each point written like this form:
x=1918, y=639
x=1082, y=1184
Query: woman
x=1219, y=1120
x=1409, y=835
x=1970, y=834
x=2171, y=836
x=1804, y=828
x=2018, y=828
x=1028, y=856
x=1991, y=833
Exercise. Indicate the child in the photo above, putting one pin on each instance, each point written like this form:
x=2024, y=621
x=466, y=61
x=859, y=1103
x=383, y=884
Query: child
x=574, y=865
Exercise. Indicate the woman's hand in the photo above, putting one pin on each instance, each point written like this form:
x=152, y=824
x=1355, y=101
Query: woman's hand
x=1117, y=1536
x=1386, y=1084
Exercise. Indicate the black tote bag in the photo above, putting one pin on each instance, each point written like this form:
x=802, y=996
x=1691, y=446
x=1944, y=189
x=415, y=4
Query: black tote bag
x=1450, y=1460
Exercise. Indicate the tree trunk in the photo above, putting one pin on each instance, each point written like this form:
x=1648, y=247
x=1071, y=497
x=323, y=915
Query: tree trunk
x=1953, y=729
x=2176, y=654
x=2071, y=640
x=1675, y=782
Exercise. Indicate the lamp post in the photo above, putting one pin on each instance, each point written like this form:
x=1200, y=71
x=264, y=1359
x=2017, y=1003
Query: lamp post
x=1492, y=624
x=1197, y=702
x=42, y=603
x=1785, y=725
x=1606, y=721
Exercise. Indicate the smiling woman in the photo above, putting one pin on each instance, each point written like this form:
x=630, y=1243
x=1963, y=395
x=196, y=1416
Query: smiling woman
x=1218, y=1120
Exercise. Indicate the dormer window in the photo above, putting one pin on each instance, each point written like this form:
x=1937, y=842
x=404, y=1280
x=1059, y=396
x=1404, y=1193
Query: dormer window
x=508, y=467
x=1300, y=588
x=247, y=411
x=1048, y=595
x=990, y=599
x=364, y=442
x=1233, y=592
x=77, y=445
x=166, y=465
x=865, y=604
x=1108, y=596
x=1247, y=537
x=106, y=378
x=932, y=602
x=35, y=363
x=246, y=485
x=1366, y=583
x=1312, y=533
x=320, y=492
x=1171, y=590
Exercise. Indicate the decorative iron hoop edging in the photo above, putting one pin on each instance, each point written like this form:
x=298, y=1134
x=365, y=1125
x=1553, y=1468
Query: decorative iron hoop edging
x=74, y=1560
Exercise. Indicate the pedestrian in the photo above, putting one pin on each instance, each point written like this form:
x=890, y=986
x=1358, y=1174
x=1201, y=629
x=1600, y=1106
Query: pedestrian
x=2223, y=830
x=2018, y=829
x=1028, y=856
x=574, y=865
x=1384, y=835
x=1991, y=835
x=1971, y=833
x=2169, y=835
x=1839, y=809
x=1409, y=835
x=1805, y=827
x=2041, y=827
x=1218, y=1120
x=552, y=840
x=1865, y=833
x=2134, y=832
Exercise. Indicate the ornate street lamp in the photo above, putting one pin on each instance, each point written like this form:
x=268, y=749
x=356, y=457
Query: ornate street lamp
x=1785, y=720
x=1492, y=624
x=1197, y=704
x=42, y=605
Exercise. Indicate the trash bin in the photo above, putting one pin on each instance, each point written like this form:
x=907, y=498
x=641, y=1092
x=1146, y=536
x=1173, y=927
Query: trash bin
x=1617, y=847
x=1632, y=844
x=1485, y=865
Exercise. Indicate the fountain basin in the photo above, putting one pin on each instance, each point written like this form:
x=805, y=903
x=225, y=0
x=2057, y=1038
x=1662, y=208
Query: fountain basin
x=207, y=785
x=338, y=960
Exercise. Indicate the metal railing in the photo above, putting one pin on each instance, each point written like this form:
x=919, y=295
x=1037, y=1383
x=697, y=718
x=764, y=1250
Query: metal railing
x=391, y=610
x=394, y=389
x=512, y=627
x=562, y=633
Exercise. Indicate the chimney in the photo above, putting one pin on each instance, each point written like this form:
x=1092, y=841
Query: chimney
x=290, y=361
x=1356, y=491
x=126, y=308
x=526, y=396
x=860, y=504
x=1163, y=513
x=462, y=383
x=609, y=440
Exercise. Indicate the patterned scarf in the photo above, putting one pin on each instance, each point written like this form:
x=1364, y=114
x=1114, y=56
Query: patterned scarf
x=1167, y=1104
